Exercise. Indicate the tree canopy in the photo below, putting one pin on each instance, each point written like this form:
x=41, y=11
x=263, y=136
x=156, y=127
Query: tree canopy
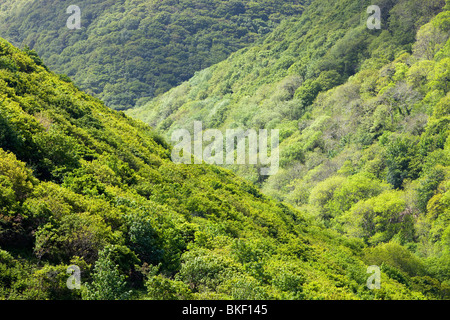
x=127, y=52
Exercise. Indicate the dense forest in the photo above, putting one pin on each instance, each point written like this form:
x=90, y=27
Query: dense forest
x=363, y=118
x=364, y=168
x=128, y=51
x=84, y=185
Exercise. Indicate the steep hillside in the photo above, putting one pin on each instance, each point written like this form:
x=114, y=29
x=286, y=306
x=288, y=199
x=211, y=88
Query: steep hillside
x=363, y=118
x=260, y=86
x=83, y=185
x=131, y=50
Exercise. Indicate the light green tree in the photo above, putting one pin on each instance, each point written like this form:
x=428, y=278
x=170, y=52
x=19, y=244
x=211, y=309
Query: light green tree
x=108, y=283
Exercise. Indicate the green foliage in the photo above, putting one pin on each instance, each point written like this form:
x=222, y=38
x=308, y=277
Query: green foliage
x=311, y=88
x=205, y=270
x=95, y=188
x=107, y=281
x=401, y=162
x=144, y=240
x=365, y=156
x=15, y=174
x=162, y=288
x=137, y=50
x=338, y=194
x=363, y=119
x=395, y=256
x=429, y=185
x=381, y=218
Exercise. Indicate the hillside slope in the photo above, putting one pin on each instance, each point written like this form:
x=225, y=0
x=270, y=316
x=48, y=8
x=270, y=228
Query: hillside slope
x=131, y=50
x=83, y=185
x=265, y=84
x=363, y=118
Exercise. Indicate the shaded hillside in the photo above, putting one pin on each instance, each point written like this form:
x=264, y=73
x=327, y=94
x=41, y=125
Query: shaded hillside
x=130, y=51
x=87, y=186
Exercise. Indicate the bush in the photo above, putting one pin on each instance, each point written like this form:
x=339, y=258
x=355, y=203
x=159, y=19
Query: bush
x=107, y=281
x=162, y=288
x=397, y=256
